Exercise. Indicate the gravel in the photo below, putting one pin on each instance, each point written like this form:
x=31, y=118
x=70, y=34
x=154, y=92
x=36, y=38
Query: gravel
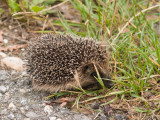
x=3, y=89
x=3, y=75
x=18, y=101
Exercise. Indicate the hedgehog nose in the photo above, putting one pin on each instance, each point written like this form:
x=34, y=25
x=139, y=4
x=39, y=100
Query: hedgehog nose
x=110, y=84
x=107, y=82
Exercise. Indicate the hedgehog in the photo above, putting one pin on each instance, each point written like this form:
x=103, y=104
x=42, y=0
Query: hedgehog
x=63, y=62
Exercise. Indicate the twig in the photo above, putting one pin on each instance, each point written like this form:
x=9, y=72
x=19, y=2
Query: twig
x=139, y=13
x=44, y=24
x=19, y=39
x=97, y=115
x=53, y=6
x=114, y=12
x=154, y=62
x=152, y=76
x=40, y=12
x=21, y=13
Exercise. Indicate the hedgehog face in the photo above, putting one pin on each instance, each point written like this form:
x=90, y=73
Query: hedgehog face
x=88, y=75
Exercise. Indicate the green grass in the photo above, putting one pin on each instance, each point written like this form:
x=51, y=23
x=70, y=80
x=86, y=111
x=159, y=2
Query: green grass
x=135, y=58
x=136, y=52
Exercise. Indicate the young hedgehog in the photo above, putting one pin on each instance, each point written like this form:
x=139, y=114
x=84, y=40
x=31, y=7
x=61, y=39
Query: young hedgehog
x=61, y=62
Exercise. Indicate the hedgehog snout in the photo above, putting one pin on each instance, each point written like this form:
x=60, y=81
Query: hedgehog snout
x=107, y=81
x=105, y=78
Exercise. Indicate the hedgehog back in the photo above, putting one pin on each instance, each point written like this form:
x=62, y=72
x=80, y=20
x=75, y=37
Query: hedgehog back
x=53, y=59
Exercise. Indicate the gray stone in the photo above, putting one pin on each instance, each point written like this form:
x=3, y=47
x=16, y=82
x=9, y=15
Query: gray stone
x=11, y=116
x=3, y=75
x=3, y=112
x=3, y=89
x=81, y=117
x=26, y=108
x=18, y=116
x=13, y=72
x=23, y=101
x=32, y=115
x=119, y=117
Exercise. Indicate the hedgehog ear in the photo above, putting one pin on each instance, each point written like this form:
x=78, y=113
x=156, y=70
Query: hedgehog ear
x=102, y=44
x=105, y=46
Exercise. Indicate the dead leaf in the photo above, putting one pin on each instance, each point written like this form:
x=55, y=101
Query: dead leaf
x=63, y=104
x=85, y=111
x=67, y=99
x=13, y=47
x=107, y=110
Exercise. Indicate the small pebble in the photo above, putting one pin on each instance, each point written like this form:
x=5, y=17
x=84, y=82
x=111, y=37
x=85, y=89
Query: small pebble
x=22, y=49
x=22, y=91
x=15, y=30
x=52, y=118
x=3, y=89
x=10, y=27
x=5, y=41
x=6, y=97
x=48, y=109
x=22, y=110
x=24, y=73
x=59, y=119
x=119, y=117
x=26, y=108
x=23, y=101
x=26, y=118
x=3, y=75
x=3, y=112
x=11, y=116
x=32, y=115
x=95, y=106
x=13, y=72
x=12, y=106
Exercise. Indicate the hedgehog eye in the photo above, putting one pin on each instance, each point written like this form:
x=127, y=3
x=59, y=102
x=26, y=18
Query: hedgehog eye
x=94, y=74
